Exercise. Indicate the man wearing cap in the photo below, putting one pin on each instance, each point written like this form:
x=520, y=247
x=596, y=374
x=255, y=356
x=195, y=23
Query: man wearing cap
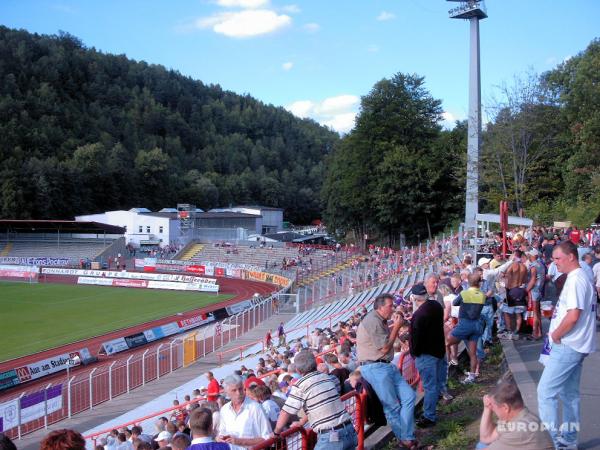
x=163, y=439
x=253, y=381
x=535, y=289
x=428, y=347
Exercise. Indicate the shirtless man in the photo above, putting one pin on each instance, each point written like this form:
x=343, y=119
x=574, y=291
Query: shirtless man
x=515, y=278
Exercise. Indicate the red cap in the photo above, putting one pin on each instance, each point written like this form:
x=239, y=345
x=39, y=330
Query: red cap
x=253, y=380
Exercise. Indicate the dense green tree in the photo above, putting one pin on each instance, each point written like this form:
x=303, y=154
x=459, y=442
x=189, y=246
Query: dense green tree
x=542, y=147
x=575, y=85
x=387, y=176
x=82, y=131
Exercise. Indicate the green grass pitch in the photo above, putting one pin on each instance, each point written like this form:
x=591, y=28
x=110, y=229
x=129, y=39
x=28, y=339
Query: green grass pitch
x=36, y=317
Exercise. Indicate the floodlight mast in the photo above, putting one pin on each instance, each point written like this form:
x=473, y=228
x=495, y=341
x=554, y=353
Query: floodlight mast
x=473, y=11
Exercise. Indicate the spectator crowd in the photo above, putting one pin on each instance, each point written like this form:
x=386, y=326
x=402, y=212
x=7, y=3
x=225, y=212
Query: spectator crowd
x=549, y=274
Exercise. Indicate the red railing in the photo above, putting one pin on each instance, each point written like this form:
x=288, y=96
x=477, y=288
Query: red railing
x=296, y=438
x=181, y=406
x=85, y=388
x=94, y=436
x=240, y=349
x=305, y=438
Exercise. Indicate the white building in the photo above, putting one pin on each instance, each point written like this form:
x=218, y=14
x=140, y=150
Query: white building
x=142, y=226
x=146, y=228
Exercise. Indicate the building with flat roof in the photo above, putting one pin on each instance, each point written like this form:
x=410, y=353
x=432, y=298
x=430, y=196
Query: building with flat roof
x=146, y=228
x=271, y=219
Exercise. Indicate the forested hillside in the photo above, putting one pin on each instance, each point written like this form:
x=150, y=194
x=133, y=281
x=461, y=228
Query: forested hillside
x=82, y=131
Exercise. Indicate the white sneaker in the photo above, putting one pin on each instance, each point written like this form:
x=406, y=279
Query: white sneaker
x=505, y=335
x=470, y=379
x=564, y=445
x=447, y=396
x=515, y=336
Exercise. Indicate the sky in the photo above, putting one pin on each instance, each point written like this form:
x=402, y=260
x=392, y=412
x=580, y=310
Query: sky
x=317, y=58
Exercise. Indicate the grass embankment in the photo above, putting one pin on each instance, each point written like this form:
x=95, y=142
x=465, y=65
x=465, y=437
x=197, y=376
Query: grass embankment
x=458, y=420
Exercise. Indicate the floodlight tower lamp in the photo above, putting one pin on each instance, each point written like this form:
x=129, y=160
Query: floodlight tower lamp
x=473, y=11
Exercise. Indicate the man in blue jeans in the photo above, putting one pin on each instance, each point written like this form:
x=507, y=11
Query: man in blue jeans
x=428, y=347
x=469, y=326
x=573, y=336
x=375, y=350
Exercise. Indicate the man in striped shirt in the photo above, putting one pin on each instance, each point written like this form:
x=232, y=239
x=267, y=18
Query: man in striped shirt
x=317, y=395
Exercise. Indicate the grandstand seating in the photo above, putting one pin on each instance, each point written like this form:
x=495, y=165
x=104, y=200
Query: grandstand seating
x=74, y=250
x=342, y=310
x=333, y=270
x=258, y=257
x=189, y=251
x=6, y=250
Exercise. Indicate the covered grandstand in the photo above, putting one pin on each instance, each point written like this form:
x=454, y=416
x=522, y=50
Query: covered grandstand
x=65, y=240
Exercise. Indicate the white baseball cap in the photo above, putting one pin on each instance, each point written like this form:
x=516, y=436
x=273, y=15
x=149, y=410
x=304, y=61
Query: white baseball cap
x=163, y=436
x=483, y=261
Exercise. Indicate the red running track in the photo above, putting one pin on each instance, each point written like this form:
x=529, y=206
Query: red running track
x=243, y=290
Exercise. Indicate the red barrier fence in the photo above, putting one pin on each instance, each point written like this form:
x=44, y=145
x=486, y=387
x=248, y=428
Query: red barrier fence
x=86, y=388
x=305, y=439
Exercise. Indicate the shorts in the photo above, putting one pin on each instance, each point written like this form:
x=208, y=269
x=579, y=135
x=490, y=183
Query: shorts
x=513, y=309
x=467, y=330
x=516, y=297
x=536, y=295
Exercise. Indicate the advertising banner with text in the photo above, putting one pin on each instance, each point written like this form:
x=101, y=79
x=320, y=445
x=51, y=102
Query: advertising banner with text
x=34, y=261
x=32, y=406
x=129, y=275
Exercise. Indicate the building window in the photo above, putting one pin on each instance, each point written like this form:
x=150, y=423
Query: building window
x=160, y=229
x=147, y=228
x=140, y=229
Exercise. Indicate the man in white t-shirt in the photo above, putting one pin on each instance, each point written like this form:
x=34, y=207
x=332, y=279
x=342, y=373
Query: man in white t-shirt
x=573, y=336
x=243, y=422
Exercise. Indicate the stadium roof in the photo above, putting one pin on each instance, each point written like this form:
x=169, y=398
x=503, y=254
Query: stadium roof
x=205, y=215
x=60, y=226
x=225, y=215
x=263, y=208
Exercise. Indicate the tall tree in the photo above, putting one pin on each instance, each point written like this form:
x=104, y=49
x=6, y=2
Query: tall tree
x=383, y=177
x=575, y=85
x=520, y=144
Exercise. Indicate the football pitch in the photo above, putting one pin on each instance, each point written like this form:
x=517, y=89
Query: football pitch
x=36, y=317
